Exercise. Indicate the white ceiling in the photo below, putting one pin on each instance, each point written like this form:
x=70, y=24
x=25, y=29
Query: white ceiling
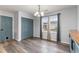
x=32, y=8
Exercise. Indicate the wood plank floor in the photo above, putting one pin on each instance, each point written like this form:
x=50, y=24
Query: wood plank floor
x=32, y=45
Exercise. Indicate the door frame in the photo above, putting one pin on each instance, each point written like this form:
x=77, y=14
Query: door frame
x=58, y=28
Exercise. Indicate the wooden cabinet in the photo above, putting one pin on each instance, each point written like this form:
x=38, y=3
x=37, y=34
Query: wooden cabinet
x=74, y=42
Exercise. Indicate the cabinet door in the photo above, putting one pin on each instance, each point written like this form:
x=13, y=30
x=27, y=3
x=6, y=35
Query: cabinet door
x=6, y=27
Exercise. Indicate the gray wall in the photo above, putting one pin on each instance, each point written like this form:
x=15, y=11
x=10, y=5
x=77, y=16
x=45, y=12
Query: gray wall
x=68, y=21
x=78, y=18
x=36, y=27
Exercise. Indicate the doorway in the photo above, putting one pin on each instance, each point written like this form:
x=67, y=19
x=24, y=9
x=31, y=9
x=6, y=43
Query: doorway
x=50, y=28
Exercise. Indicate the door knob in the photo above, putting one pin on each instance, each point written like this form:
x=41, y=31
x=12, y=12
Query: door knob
x=1, y=29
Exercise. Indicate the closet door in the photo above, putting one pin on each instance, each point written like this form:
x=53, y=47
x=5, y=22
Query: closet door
x=26, y=28
x=6, y=27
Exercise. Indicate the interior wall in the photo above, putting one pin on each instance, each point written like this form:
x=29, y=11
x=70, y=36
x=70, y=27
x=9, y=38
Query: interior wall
x=78, y=18
x=36, y=27
x=26, y=15
x=68, y=21
x=16, y=26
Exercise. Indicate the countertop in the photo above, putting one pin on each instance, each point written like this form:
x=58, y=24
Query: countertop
x=75, y=36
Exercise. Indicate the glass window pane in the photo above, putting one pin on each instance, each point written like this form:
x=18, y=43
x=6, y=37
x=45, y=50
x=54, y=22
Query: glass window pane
x=53, y=23
x=44, y=23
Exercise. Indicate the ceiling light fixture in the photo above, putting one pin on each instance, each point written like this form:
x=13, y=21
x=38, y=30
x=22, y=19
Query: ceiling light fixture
x=39, y=13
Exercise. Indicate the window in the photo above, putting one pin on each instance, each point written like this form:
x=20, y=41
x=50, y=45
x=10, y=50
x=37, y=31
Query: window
x=44, y=24
x=53, y=23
